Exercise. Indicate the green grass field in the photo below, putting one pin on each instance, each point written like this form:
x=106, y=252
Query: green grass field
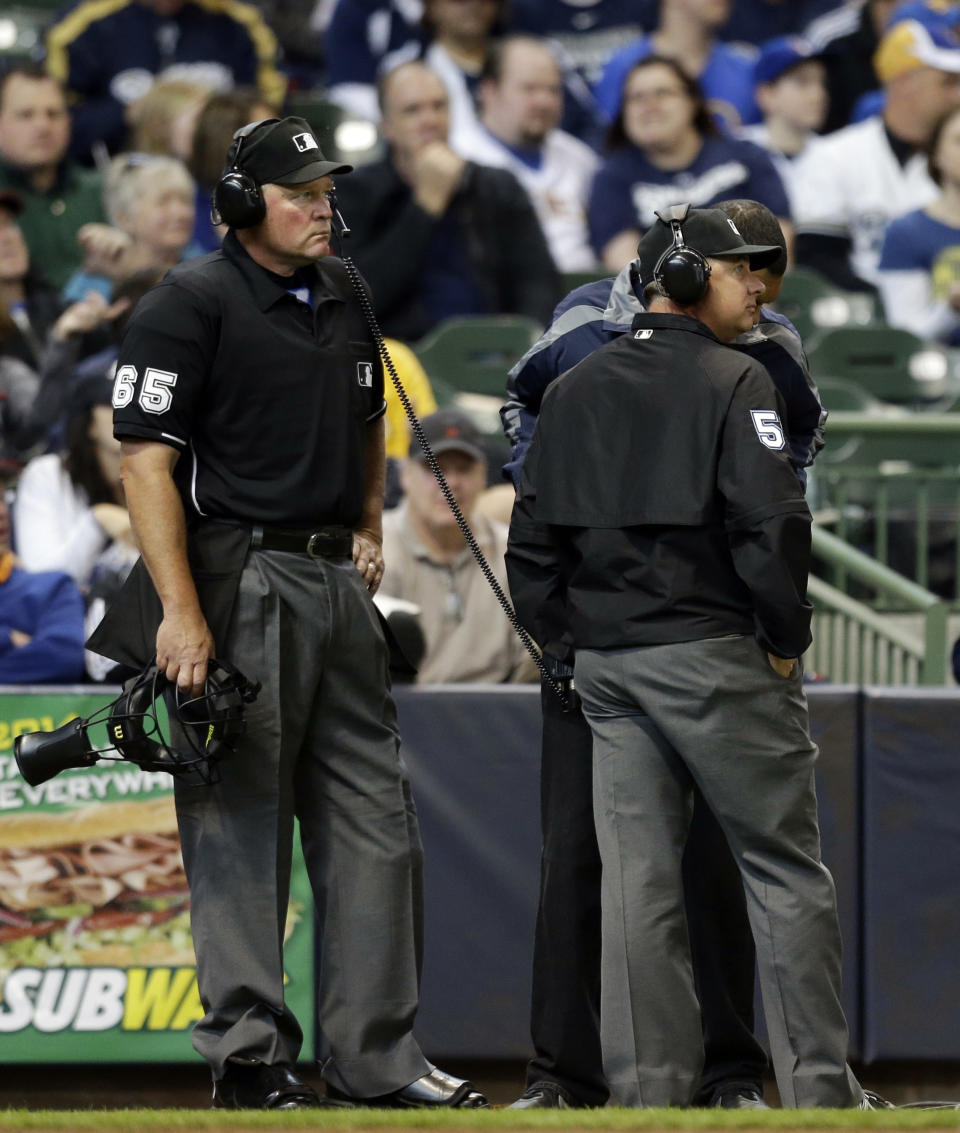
x=354, y=1121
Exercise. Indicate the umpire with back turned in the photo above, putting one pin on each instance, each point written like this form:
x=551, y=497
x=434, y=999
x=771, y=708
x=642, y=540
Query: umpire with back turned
x=249, y=400
x=566, y=1068
x=661, y=535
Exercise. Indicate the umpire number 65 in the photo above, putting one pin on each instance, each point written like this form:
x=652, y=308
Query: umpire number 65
x=156, y=393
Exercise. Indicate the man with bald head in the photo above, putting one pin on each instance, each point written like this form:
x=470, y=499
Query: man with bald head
x=438, y=235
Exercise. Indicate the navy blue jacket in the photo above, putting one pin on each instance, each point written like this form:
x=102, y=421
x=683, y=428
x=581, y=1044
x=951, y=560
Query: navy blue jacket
x=597, y=313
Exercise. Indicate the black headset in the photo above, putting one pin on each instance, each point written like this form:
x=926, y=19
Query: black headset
x=237, y=200
x=681, y=273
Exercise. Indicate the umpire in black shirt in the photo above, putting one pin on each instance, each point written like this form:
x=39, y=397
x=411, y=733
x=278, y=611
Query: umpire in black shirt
x=249, y=401
x=662, y=535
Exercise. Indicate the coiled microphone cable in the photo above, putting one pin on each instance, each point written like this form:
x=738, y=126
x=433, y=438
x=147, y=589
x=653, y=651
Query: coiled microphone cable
x=367, y=307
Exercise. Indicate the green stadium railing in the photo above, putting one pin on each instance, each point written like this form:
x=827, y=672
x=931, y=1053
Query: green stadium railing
x=890, y=483
x=855, y=643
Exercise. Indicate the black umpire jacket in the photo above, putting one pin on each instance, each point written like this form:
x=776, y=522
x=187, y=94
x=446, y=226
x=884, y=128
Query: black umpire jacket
x=657, y=502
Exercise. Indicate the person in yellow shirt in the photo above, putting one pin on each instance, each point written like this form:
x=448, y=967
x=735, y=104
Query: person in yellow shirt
x=415, y=381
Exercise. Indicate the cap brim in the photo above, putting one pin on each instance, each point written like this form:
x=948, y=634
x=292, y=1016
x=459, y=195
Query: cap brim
x=786, y=68
x=940, y=58
x=311, y=172
x=452, y=445
x=759, y=255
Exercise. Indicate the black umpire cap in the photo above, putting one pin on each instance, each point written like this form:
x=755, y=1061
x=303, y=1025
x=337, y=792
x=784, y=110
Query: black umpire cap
x=707, y=231
x=284, y=151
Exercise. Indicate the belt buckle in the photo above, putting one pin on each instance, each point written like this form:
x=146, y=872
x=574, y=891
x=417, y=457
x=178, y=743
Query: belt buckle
x=319, y=544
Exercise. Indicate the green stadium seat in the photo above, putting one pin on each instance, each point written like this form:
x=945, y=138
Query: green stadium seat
x=891, y=365
x=844, y=396
x=472, y=354
x=574, y=279
x=815, y=305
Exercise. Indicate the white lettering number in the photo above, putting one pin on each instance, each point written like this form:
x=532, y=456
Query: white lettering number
x=123, y=386
x=155, y=397
x=768, y=427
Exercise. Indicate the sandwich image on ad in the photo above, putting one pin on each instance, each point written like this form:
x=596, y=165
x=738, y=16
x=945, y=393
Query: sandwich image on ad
x=95, y=886
x=96, y=957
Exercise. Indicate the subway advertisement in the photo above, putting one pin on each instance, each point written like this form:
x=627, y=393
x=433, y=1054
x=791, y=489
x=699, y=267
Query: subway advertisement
x=96, y=958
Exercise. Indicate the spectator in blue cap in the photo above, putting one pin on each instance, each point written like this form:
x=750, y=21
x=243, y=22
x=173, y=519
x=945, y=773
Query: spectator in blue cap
x=790, y=87
x=664, y=144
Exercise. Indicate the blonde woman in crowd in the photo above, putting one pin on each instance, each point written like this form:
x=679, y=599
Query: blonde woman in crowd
x=150, y=202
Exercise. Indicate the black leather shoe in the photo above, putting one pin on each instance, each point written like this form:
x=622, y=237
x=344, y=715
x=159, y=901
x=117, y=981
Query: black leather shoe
x=546, y=1095
x=738, y=1097
x=871, y=1100
x=249, y=1084
x=433, y=1091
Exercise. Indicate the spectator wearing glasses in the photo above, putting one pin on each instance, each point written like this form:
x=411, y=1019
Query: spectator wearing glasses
x=664, y=144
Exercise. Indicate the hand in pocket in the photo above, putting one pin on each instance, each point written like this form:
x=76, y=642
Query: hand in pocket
x=783, y=666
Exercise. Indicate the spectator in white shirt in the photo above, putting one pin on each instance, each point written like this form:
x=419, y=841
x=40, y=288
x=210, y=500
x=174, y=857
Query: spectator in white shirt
x=853, y=182
x=521, y=104
x=70, y=509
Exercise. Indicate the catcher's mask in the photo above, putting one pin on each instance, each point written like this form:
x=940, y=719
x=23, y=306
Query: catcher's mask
x=203, y=728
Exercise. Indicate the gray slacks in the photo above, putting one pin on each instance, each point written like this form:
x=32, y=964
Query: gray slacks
x=712, y=712
x=321, y=745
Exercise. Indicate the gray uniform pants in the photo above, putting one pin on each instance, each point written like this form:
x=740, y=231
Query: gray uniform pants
x=712, y=712
x=320, y=744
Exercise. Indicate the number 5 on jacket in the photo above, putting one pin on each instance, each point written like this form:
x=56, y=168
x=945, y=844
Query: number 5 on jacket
x=768, y=427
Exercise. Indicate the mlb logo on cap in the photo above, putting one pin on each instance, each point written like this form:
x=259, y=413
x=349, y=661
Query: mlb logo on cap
x=303, y=142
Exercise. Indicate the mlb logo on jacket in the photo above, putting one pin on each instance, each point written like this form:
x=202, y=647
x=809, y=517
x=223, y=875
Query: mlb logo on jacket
x=365, y=374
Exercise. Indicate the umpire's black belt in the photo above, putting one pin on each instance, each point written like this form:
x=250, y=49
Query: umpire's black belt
x=318, y=542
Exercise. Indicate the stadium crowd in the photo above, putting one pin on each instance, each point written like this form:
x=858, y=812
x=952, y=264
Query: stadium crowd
x=506, y=150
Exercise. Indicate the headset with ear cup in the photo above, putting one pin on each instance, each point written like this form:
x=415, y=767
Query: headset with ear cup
x=237, y=200
x=681, y=273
